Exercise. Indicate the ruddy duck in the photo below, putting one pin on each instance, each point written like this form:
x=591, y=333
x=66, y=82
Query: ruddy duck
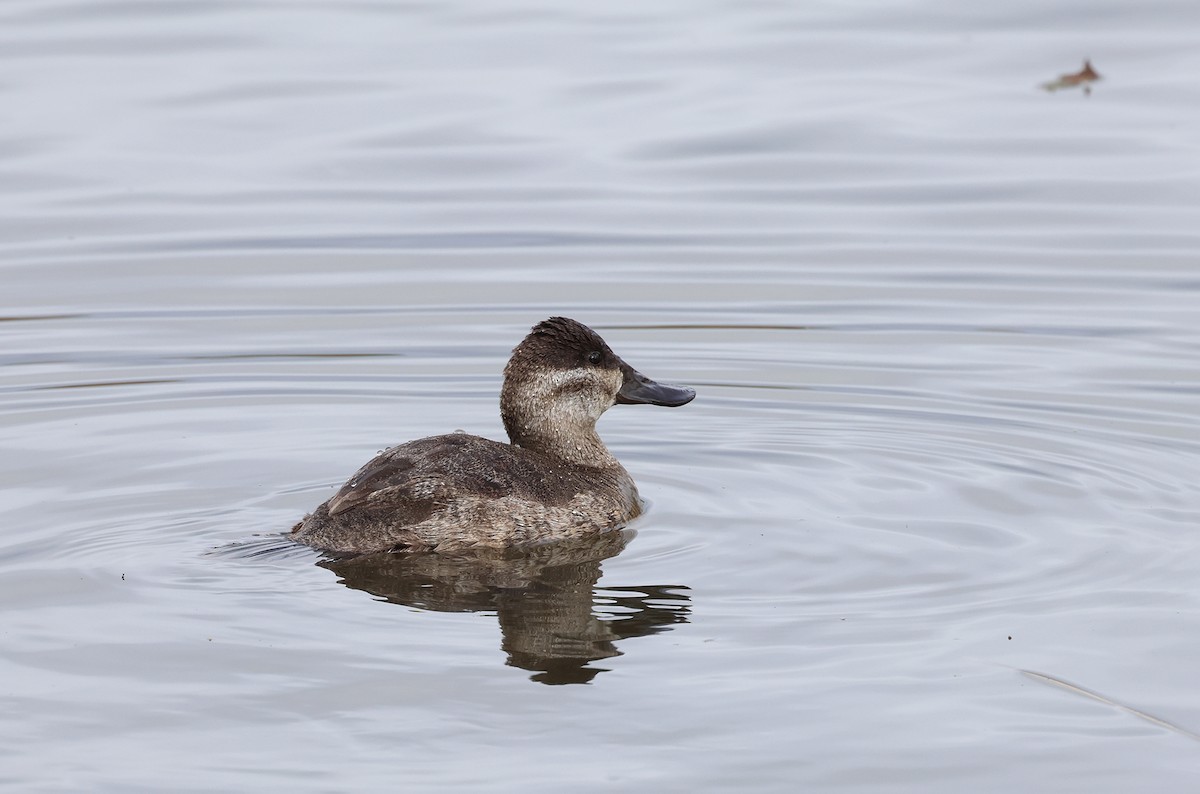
x=555, y=479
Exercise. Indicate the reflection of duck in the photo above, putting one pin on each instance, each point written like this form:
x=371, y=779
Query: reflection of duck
x=545, y=598
x=555, y=480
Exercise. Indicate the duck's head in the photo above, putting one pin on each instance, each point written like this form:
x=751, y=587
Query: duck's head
x=562, y=377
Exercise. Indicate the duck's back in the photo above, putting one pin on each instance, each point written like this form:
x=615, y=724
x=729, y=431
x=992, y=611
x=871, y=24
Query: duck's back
x=458, y=491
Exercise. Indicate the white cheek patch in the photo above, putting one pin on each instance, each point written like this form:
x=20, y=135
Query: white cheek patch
x=577, y=394
x=563, y=379
x=615, y=379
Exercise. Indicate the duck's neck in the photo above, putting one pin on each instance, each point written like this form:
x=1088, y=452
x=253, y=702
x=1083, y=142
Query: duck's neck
x=575, y=443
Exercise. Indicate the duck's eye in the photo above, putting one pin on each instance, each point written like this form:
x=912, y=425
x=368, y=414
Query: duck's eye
x=595, y=357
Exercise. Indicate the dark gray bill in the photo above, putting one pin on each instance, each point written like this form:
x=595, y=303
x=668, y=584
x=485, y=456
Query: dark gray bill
x=640, y=389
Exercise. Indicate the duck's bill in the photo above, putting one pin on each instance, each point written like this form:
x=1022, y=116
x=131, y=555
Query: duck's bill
x=640, y=390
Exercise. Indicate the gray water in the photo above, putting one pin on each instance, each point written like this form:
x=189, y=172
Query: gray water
x=929, y=526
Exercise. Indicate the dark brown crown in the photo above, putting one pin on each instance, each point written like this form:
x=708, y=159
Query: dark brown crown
x=565, y=343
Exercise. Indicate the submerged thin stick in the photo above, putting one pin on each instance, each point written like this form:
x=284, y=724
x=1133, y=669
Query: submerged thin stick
x=1058, y=682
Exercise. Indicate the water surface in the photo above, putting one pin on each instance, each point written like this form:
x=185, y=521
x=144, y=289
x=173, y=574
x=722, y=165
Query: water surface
x=929, y=525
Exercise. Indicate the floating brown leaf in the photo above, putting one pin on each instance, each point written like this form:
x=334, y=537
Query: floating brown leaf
x=1084, y=77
